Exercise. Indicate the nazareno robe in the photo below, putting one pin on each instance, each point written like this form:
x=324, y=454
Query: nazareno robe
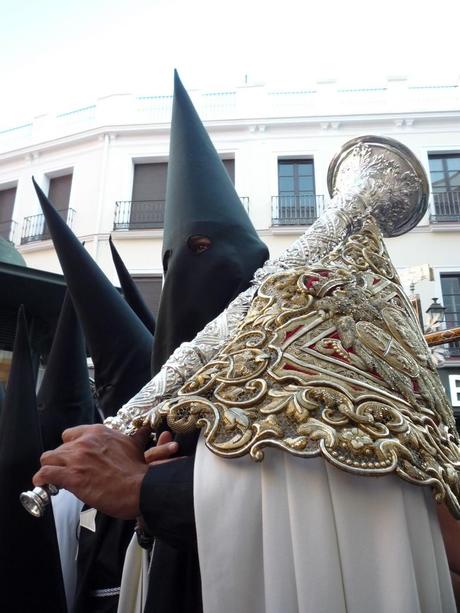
x=293, y=534
x=299, y=535
x=120, y=346
x=201, y=201
x=100, y=562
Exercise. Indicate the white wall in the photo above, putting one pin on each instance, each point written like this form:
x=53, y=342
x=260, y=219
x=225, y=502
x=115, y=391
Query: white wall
x=257, y=130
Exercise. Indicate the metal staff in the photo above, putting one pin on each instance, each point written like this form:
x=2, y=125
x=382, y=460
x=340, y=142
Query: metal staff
x=370, y=175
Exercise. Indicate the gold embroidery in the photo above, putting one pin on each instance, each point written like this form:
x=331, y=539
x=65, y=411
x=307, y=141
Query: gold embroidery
x=330, y=361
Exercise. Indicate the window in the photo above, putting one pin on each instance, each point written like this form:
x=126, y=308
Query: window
x=450, y=284
x=7, y=198
x=150, y=288
x=230, y=168
x=59, y=193
x=59, y=196
x=445, y=185
x=146, y=208
x=34, y=227
x=148, y=197
x=296, y=200
x=295, y=179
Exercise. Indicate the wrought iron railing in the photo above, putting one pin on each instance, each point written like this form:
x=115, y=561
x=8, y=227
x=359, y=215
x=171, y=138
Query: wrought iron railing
x=139, y=214
x=34, y=227
x=454, y=349
x=446, y=207
x=8, y=230
x=296, y=210
x=145, y=214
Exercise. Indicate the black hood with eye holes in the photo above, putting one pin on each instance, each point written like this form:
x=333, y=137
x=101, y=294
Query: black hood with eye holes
x=65, y=399
x=119, y=343
x=200, y=201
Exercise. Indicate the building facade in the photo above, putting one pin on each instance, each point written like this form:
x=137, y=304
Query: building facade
x=104, y=168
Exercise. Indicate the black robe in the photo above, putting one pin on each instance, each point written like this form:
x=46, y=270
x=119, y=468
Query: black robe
x=100, y=564
x=167, y=509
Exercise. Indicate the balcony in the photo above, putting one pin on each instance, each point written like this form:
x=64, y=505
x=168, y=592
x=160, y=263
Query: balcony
x=8, y=230
x=139, y=214
x=446, y=207
x=453, y=350
x=34, y=227
x=296, y=210
x=145, y=214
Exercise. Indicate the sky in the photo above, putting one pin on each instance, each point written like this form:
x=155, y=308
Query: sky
x=58, y=55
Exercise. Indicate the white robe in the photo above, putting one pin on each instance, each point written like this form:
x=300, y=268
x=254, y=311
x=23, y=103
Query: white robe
x=294, y=535
x=134, y=581
x=66, y=510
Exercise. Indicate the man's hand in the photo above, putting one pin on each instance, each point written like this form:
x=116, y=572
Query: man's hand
x=102, y=467
x=163, y=451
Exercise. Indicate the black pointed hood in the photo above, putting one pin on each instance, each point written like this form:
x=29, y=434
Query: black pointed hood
x=201, y=201
x=29, y=565
x=118, y=341
x=65, y=398
x=2, y=398
x=131, y=292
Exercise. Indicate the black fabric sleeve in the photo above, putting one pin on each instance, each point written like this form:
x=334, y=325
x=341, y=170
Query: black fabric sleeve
x=166, y=502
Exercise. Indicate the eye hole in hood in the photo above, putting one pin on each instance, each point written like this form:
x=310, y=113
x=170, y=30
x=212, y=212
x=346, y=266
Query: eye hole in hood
x=199, y=243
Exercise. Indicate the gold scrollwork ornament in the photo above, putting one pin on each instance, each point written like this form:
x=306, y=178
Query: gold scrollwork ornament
x=329, y=361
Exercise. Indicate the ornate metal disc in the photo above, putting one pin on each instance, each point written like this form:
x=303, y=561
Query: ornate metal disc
x=403, y=207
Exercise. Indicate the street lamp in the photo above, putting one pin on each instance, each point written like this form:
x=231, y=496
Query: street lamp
x=435, y=313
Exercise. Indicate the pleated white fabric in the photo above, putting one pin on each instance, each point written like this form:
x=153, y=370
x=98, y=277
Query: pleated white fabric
x=134, y=580
x=66, y=511
x=293, y=535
